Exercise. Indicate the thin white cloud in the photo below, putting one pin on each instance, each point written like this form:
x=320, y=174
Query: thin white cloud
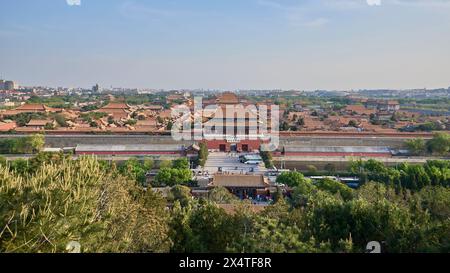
x=300, y=14
x=374, y=2
x=406, y=3
x=73, y=2
x=296, y=15
x=316, y=22
x=422, y=3
x=271, y=4
x=360, y=3
x=137, y=10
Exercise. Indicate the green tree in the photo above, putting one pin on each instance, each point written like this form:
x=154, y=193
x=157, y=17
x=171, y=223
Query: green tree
x=8, y=146
x=182, y=176
x=180, y=231
x=169, y=125
x=221, y=195
x=172, y=177
x=181, y=194
x=439, y=172
x=352, y=123
x=46, y=158
x=334, y=187
x=294, y=179
x=165, y=164
x=270, y=236
x=440, y=144
x=181, y=163
x=267, y=158
x=163, y=178
x=61, y=120
x=332, y=219
x=148, y=164
x=203, y=154
x=35, y=143
x=414, y=177
x=210, y=229
x=23, y=118
x=49, y=126
x=79, y=201
x=136, y=170
x=416, y=146
x=130, y=122
x=436, y=200
x=110, y=119
x=20, y=166
x=3, y=161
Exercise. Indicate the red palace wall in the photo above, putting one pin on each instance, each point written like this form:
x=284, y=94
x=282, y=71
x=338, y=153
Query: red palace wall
x=252, y=145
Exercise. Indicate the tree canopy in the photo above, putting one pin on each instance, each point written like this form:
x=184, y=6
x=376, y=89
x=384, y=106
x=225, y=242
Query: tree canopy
x=22, y=145
x=79, y=200
x=53, y=199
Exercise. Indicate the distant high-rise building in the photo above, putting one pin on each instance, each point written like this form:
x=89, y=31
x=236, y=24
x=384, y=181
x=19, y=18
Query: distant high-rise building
x=7, y=85
x=10, y=85
x=96, y=88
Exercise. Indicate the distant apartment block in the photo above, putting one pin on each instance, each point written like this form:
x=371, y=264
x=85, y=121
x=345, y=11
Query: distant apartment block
x=8, y=85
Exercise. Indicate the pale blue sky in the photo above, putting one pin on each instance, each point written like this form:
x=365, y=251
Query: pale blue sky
x=227, y=44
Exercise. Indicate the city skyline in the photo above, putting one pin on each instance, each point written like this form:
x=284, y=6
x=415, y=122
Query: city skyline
x=251, y=44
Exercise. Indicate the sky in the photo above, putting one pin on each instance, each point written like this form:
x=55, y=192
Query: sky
x=227, y=44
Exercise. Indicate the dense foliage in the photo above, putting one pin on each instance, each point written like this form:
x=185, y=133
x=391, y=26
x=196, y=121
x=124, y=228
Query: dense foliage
x=54, y=200
x=178, y=174
x=292, y=179
x=438, y=145
x=22, y=119
x=203, y=154
x=267, y=158
x=324, y=223
x=22, y=145
x=91, y=116
x=136, y=169
x=79, y=201
x=412, y=177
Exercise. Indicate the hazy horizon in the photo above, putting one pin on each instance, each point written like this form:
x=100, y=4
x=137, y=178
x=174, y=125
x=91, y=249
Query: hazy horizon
x=227, y=44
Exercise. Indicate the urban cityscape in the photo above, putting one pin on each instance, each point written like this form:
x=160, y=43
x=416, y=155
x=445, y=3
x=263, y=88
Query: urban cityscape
x=86, y=167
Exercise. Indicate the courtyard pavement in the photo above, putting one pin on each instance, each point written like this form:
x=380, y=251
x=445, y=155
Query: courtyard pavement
x=229, y=162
